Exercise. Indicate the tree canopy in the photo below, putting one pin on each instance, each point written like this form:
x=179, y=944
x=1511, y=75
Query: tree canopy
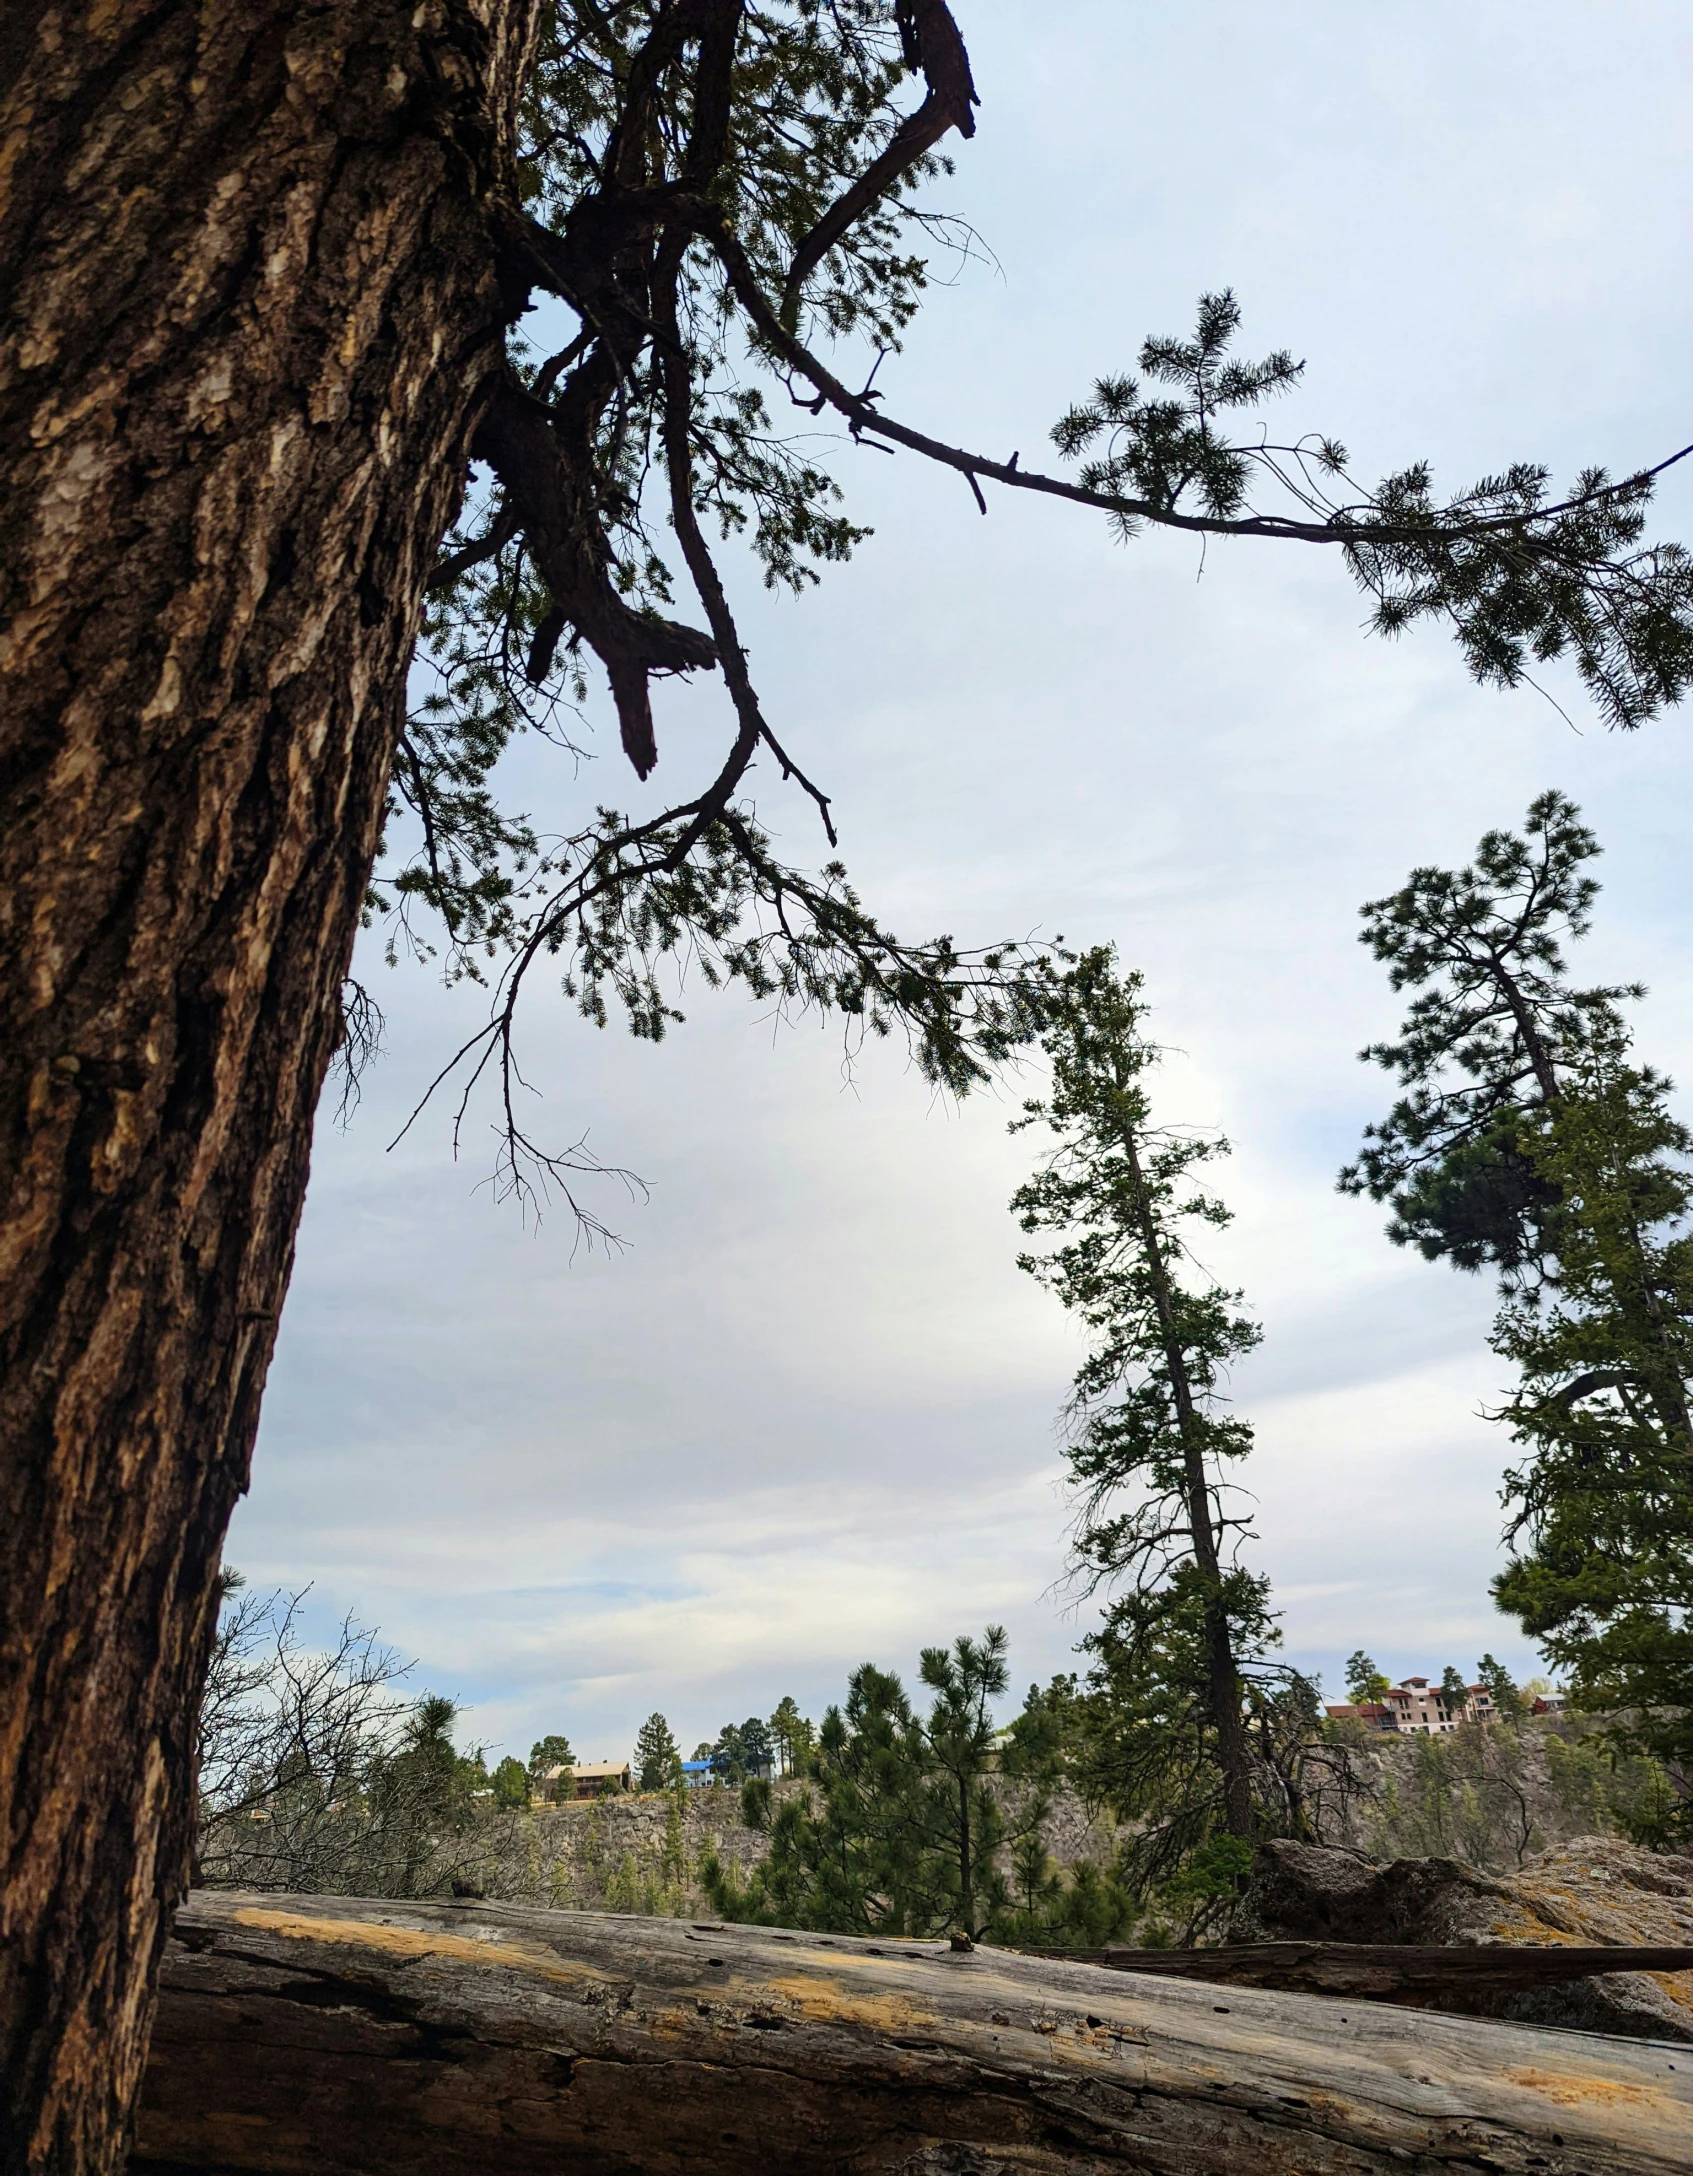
x=1533, y=1141
x=724, y=207
x=1487, y=1043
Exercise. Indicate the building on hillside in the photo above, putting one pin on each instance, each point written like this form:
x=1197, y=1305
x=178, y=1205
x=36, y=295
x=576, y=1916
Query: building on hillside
x=698, y=1774
x=1420, y=1708
x=1373, y=1714
x=589, y=1779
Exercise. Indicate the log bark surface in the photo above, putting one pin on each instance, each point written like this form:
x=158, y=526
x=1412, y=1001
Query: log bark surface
x=1407, y=1972
x=333, y=2036
x=248, y=312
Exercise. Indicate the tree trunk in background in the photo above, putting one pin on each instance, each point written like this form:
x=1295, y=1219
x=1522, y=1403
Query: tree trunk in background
x=320, y=2036
x=250, y=314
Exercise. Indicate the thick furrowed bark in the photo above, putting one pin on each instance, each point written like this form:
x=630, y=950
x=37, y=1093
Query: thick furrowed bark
x=250, y=317
x=318, y=2036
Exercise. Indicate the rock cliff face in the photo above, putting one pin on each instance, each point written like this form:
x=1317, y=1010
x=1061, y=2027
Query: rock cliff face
x=640, y=1854
x=1594, y=1890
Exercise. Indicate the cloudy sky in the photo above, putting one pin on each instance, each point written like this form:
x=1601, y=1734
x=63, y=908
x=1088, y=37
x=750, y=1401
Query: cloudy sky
x=806, y=1417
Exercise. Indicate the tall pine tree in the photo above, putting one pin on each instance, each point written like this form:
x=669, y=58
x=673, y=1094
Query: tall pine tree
x=1151, y=1440
x=1492, y=1030
x=1532, y=1141
x=658, y=1758
x=1603, y=1501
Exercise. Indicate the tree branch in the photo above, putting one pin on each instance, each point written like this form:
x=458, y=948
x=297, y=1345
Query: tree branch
x=556, y=508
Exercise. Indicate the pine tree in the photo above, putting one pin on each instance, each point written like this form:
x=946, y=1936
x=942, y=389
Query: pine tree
x=756, y=1748
x=1149, y=1439
x=964, y=1824
x=1487, y=1044
x=1454, y=1692
x=1363, y=1680
x=658, y=1758
x=1503, y=1689
x=1532, y=1141
x=791, y=1735
x=547, y=1754
x=846, y=1857
x=511, y=1783
x=1603, y=1504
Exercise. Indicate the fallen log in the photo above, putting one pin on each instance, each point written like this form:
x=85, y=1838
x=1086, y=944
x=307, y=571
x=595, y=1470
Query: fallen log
x=349, y=2038
x=1408, y=1973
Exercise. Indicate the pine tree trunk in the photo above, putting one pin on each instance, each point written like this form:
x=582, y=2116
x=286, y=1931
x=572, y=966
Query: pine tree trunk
x=1223, y=1678
x=251, y=314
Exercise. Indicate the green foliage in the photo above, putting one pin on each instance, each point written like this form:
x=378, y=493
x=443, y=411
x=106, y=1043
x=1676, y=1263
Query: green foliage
x=1522, y=577
x=1601, y=1788
x=909, y=1823
x=741, y=199
x=1603, y=1504
x=643, y=1891
x=658, y=417
x=1169, y=451
x=792, y=1736
x=1363, y=1680
x=846, y=1859
x=742, y=1749
x=1145, y=1743
x=1148, y=1395
x=1094, y=1907
x=1488, y=1043
x=511, y=1783
x=658, y=1760
x=547, y=1753
x=1189, y=1629
x=1517, y=575
x=755, y=1802
x=674, y=1855
x=963, y=1825
x=1507, y=1698
x=1210, y=1875
x=1531, y=1140
x=1042, y=1739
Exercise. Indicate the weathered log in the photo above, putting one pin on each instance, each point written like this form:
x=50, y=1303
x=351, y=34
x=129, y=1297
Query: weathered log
x=337, y=2036
x=1402, y=1972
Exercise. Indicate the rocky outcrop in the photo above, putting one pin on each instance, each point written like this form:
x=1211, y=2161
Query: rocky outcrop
x=1595, y=1891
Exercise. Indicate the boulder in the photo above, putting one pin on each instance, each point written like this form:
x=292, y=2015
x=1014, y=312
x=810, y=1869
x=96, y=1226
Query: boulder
x=1596, y=1891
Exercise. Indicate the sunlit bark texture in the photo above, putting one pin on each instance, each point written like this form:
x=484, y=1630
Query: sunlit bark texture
x=325, y=2036
x=250, y=315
